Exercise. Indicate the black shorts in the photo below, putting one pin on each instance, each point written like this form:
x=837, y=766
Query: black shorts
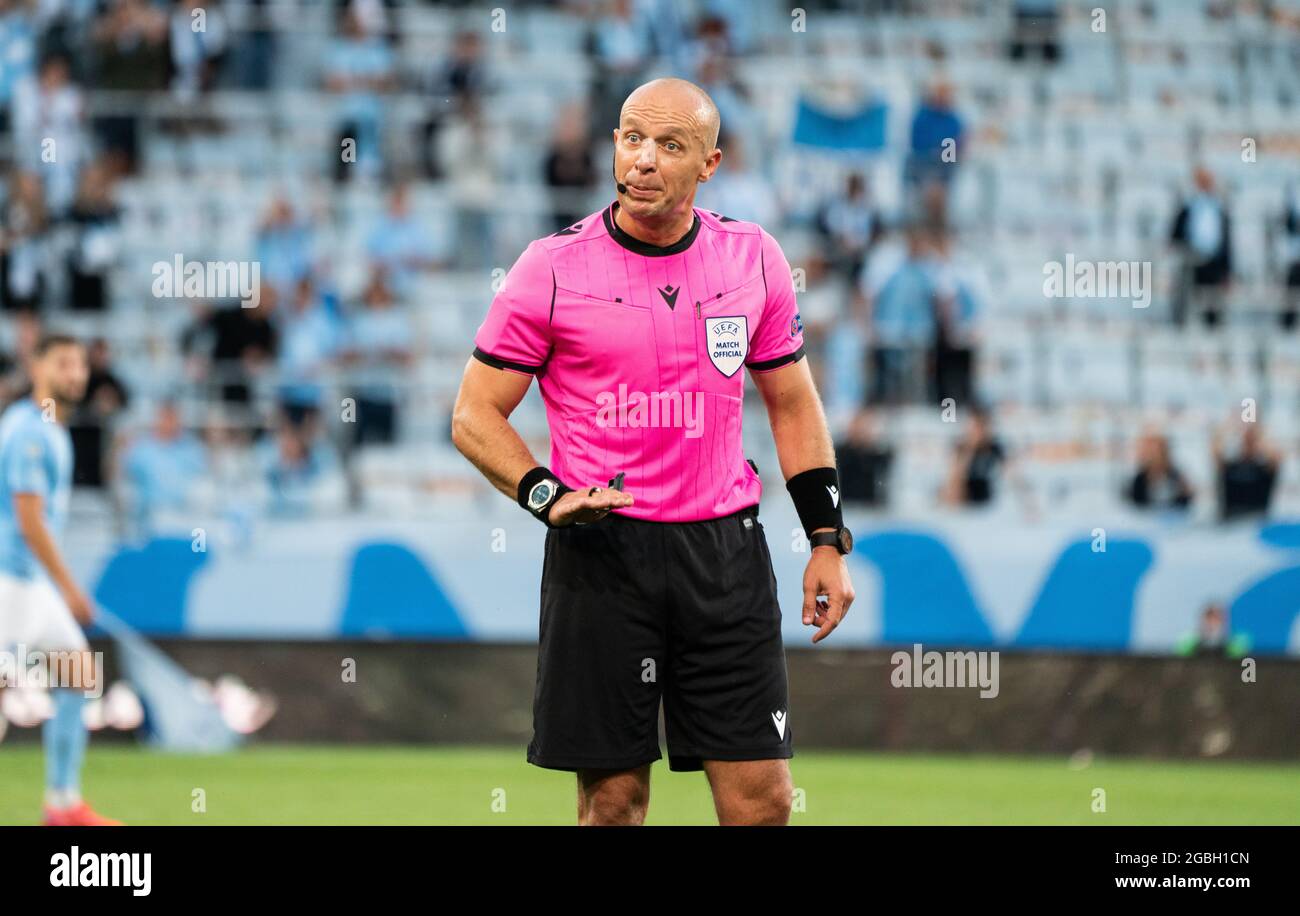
x=635, y=611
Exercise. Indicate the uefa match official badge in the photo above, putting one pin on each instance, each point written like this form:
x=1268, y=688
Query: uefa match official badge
x=728, y=342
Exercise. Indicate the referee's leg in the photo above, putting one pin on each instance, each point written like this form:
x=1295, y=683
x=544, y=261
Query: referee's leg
x=757, y=793
x=602, y=641
x=612, y=798
x=726, y=703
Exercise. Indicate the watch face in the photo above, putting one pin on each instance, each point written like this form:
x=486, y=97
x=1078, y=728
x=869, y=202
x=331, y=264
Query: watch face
x=846, y=540
x=540, y=494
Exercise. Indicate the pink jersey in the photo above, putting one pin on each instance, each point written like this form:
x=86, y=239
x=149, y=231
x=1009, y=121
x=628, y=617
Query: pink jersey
x=638, y=353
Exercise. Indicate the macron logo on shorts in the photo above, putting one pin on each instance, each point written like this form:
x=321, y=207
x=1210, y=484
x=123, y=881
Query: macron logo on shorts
x=835, y=496
x=778, y=719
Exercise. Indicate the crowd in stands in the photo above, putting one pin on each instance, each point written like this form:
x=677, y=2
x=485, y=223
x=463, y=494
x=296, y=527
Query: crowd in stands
x=895, y=283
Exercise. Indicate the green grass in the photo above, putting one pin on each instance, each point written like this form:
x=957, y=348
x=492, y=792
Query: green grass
x=427, y=785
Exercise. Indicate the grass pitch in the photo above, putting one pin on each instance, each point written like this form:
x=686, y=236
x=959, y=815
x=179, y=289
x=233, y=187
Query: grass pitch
x=442, y=785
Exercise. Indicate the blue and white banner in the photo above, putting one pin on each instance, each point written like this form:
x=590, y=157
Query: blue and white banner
x=980, y=580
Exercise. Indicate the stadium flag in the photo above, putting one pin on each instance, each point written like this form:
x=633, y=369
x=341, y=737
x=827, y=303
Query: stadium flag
x=180, y=713
x=857, y=131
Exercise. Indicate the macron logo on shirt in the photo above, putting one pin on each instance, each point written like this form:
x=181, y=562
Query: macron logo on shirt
x=670, y=295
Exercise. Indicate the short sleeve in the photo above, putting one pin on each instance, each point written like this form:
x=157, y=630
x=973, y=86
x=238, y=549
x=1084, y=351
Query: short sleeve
x=779, y=338
x=516, y=334
x=25, y=464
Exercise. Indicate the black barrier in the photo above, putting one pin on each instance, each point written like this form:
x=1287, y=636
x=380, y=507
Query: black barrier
x=864, y=699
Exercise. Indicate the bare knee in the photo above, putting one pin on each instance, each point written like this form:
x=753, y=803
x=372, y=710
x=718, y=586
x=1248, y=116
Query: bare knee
x=613, y=799
x=753, y=793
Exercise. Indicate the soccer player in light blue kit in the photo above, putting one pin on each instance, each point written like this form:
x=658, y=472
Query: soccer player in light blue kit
x=41, y=606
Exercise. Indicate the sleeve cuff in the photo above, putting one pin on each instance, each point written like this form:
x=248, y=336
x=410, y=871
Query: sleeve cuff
x=769, y=364
x=498, y=363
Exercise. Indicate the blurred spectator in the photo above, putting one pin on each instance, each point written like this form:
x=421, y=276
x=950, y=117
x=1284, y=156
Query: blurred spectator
x=23, y=245
x=377, y=353
x=569, y=170
x=253, y=43
x=309, y=341
x=864, y=463
x=47, y=115
x=1291, y=257
x=299, y=469
x=936, y=138
x=1158, y=484
x=736, y=189
x=1202, y=231
x=163, y=467
x=131, y=50
x=717, y=76
x=15, y=382
x=960, y=295
x=1034, y=30
x=1247, y=476
x=821, y=298
x=359, y=67
x=619, y=43
x=739, y=23
x=400, y=243
x=468, y=152
x=897, y=293
x=713, y=36
x=666, y=23
x=92, y=424
x=232, y=345
x=1214, y=636
x=977, y=459
x=15, y=379
x=459, y=83
x=849, y=225
x=283, y=247
x=17, y=52
x=12, y=380
x=97, y=243
x=198, y=45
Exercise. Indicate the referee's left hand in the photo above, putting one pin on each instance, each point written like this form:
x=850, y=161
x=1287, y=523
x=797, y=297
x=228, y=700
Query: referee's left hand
x=827, y=574
x=590, y=505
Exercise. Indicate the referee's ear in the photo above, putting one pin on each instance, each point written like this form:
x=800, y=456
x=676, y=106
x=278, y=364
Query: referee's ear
x=715, y=158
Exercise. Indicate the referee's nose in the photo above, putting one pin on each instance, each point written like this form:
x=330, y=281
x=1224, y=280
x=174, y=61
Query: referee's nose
x=645, y=157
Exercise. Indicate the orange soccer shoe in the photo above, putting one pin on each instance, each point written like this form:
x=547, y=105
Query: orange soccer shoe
x=79, y=815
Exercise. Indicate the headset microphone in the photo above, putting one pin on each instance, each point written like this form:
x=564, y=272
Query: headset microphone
x=622, y=188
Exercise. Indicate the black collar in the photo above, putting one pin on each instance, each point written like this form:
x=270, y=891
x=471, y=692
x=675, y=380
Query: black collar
x=637, y=246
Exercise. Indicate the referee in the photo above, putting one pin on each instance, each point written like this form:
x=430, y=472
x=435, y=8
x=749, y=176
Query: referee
x=657, y=583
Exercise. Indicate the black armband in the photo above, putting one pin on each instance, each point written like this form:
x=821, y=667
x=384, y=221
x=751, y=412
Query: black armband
x=538, y=491
x=816, y=495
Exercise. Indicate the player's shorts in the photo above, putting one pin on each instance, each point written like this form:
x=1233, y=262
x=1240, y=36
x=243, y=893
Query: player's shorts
x=34, y=615
x=636, y=611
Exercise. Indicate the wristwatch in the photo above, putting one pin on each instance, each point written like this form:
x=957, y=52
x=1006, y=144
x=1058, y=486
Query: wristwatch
x=542, y=495
x=841, y=539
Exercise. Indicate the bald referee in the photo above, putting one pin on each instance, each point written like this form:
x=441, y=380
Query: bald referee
x=657, y=583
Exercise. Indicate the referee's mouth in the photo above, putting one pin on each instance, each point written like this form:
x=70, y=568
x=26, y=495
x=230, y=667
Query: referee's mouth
x=641, y=193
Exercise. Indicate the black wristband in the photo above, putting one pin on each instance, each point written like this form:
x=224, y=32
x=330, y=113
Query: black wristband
x=816, y=495
x=532, y=479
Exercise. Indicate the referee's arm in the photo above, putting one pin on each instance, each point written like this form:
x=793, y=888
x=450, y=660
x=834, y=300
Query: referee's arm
x=480, y=424
x=803, y=441
x=481, y=430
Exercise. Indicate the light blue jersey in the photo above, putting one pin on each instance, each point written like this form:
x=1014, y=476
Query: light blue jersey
x=35, y=457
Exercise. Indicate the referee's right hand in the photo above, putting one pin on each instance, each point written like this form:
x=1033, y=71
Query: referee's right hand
x=589, y=505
